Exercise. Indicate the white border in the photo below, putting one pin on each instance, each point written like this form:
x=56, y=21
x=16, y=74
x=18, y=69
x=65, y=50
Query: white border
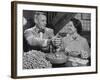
x=21, y=72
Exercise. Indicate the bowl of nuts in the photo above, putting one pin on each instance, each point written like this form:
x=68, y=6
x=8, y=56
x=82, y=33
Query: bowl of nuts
x=57, y=58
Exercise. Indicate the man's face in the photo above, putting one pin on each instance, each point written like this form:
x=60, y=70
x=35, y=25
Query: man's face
x=41, y=21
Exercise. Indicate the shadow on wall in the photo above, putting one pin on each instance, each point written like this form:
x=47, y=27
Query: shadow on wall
x=55, y=20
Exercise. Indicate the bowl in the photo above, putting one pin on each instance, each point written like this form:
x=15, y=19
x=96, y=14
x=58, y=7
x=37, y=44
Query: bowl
x=57, y=58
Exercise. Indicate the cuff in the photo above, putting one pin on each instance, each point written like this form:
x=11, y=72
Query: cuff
x=45, y=42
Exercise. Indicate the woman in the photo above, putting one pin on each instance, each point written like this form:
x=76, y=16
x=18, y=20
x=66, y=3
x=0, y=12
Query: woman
x=75, y=45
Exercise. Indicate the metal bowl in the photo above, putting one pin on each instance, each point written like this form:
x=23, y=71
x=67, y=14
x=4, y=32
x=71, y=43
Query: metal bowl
x=57, y=58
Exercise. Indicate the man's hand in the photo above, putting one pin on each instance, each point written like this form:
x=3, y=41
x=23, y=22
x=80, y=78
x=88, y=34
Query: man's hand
x=56, y=41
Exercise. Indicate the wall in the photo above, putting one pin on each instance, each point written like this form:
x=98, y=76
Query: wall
x=85, y=20
x=5, y=41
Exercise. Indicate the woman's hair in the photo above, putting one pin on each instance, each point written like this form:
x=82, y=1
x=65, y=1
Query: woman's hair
x=77, y=24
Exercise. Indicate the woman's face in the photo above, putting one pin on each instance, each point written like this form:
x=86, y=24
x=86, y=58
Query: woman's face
x=70, y=27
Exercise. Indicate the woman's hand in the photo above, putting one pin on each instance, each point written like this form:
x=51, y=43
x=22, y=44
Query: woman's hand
x=78, y=61
x=67, y=50
x=84, y=54
x=72, y=52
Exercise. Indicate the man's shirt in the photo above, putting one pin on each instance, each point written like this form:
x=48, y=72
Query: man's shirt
x=33, y=37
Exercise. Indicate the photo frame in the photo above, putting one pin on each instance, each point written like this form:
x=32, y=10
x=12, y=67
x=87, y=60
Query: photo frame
x=58, y=15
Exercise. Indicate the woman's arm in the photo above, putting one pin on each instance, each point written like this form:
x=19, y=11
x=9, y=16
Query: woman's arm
x=86, y=52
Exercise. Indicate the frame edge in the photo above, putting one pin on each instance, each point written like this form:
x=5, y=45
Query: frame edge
x=13, y=41
x=14, y=38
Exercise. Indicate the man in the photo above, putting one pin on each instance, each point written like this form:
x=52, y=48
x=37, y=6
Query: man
x=39, y=36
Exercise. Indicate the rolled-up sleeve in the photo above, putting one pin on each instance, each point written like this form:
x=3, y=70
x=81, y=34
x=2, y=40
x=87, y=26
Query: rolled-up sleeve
x=33, y=40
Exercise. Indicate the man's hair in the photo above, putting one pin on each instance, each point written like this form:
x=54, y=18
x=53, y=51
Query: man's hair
x=38, y=13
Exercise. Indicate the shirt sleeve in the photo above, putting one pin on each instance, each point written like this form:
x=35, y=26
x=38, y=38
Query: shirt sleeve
x=51, y=33
x=33, y=40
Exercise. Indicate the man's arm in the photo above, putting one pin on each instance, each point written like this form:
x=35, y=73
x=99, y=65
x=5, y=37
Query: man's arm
x=50, y=33
x=33, y=40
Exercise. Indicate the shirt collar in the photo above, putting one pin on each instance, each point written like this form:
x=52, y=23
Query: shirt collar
x=37, y=29
x=74, y=36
